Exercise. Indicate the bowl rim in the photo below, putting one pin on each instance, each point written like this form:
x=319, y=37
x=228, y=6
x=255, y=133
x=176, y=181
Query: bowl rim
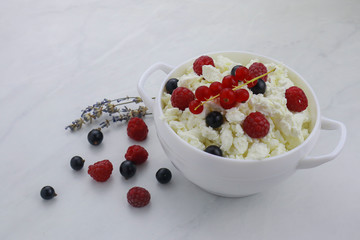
x=312, y=134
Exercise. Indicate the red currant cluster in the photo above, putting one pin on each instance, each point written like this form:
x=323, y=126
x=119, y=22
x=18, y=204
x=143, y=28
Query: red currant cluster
x=227, y=93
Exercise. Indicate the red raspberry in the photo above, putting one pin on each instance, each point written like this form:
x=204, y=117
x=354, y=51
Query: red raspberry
x=138, y=197
x=201, y=61
x=256, y=125
x=256, y=69
x=101, y=171
x=181, y=98
x=137, y=129
x=296, y=99
x=137, y=154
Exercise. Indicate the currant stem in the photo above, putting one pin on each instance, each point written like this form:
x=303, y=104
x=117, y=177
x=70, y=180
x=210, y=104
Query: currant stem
x=236, y=88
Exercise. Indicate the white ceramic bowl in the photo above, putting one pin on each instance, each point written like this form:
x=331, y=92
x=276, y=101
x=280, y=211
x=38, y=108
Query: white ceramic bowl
x=231, y=177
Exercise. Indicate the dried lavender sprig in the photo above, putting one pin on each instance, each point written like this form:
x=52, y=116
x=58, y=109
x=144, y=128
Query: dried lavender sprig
x=129, y=113
x=106, y=106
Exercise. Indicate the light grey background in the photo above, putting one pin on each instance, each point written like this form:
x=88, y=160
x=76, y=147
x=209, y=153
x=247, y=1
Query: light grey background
x=57, y=57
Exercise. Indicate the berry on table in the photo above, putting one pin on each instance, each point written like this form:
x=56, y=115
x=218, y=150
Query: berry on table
x=241, y=73
x=296, y=99
x=163, y=175
x=256, y=125
x=137, y=129
x=260, y=87
x=195, y=107
x=229, y=82
x=47, y=192
x=95, y=137
x=202, y=93
x=227, y=98
x=182, y=97
x=127, y=169
x=171, y=85
x=214, y=119
x=101, y=171
x=213, y=149
x=215, y=88
x=138, y=197
x=200, y=62
x=241, y=95
x=137, y=154
x=77, y=163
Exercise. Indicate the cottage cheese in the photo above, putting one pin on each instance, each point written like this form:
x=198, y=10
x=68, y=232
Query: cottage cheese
x=287, y=129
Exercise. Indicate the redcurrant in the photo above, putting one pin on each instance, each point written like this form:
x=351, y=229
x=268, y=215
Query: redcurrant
x=215, y=88
x=241, y=73
x=229, y=82
x=202, y=93
x=241, y=95
x=227, y=98
x=196, y=104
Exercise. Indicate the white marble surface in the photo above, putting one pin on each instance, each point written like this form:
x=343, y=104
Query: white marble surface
x=57, y=57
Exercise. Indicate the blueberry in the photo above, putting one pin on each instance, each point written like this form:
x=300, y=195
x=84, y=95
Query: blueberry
x=77, y=163
x=214, y=119
x=171, y=85
x=233, y=70
x=95, y=137
x=127, y=169
x=163, y=175
x=213, y=149
x=47, y=192
x=260, y=87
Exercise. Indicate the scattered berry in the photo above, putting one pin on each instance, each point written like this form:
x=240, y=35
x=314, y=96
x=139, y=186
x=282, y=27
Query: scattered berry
x=100, y=171
x=47, y=192
x=200, y=62
x=256, y=125
x=256, y=69
x=241, y=73
x=229, y=82
x=233, y=70
x=213, y=149
x=196, y=104
x=214, y=119
x=202, y=93
x=77, y=163
x=241, y=95
x=215, y=88
x=137, y=129
x=163, y=175
x=138, y=197
x=227, y=98
x=296, y=99
x=260, y=87
x=95, y=137
x=182, y=97
x=137, y=154
x=171, y=85
x=127, y=169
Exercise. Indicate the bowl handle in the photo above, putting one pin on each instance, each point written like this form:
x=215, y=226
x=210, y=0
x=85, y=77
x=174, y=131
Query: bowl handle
x=140, y=87
x=326, y=124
